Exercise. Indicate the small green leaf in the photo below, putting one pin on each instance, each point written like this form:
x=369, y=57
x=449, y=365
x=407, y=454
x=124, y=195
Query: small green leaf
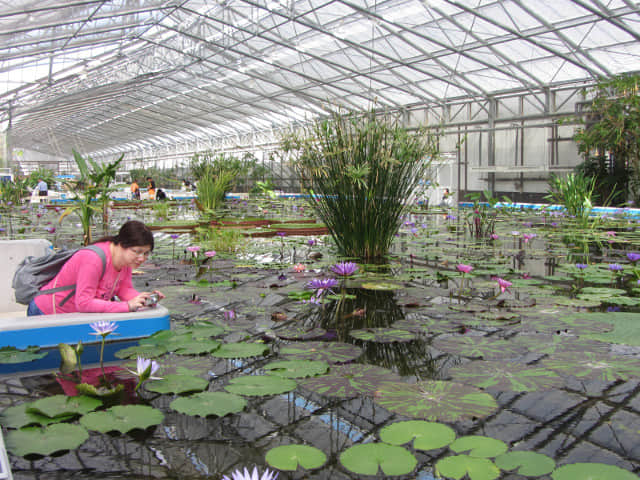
x=18, y=417
x=369, y=458
x=13, y=355
x=425, y=435
x=289, y=457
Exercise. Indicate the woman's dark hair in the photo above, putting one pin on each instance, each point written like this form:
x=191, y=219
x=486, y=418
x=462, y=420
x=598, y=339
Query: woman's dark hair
x=132, y=234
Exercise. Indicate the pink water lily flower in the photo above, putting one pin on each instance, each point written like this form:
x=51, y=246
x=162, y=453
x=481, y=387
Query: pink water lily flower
x=610, y=233
x=528, y=236
x=193, y=249
x=299, y=268
x=461, y=267
x=504, y=284
x=210, y=253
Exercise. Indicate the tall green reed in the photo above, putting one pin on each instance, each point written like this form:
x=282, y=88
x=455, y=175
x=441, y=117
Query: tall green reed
x=360, y=169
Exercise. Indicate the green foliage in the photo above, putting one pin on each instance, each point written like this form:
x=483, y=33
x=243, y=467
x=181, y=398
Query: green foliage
x=122, y=418
x=14, y=191
x=612, y=125
x=481, y=220
x=260, y=385
x=43, y=173
x=13, y=355
x=575, y=192
x=95, y=179
x=369, y=458
x=213, y=187
x=290, y=457
x=222, y=240
x=359, y=170
x=209, y=403
x=45, y=441
x=425, y=435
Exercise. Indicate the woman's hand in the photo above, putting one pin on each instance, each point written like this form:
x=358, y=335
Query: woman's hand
x=160, y=294
x=138, y=301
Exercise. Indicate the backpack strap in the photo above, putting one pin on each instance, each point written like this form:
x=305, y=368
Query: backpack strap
x=102, y=256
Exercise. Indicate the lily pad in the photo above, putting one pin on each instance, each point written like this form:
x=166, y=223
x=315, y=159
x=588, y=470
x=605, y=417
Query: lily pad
x=330, y=352
x=177, y=384
x=435, y=400
x=381, y=286
x=370, y=458
x=425, y=435
x=145, y=351
x=592, y=471
x=13, y=355
x=478, y=347
x=626, y=328
x=18, y=416
x=209, y=403
x=260, y=385
x=593, y=365
x=346, y=381
x=290, y=457
x=383, y=335
x=45, y=441
x=458, y=466
x=551, y=343
x=299, y=333
x=206, y=330
x=241, y=350
x=479, y=446
x=61, y=405
x=514, y=376
x=528, y=464
x=198, y=347
x=296, y=368
x=122, y=418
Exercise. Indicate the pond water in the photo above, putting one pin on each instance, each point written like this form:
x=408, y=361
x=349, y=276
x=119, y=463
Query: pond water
x=550, y=365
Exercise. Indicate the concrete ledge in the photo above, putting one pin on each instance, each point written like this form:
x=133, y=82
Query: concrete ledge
x=50, y=330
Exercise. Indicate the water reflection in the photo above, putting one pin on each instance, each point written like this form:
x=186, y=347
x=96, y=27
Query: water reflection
x=361, y=308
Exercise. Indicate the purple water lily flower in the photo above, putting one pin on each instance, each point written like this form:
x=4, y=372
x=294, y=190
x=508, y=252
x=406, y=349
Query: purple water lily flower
x=311, y=242
x=581, y=266
x=344, y=269
x=614, y=267
x=321, y=285
x=103, y=328
x=229, y=315
x=174, y=236
x=633, y=257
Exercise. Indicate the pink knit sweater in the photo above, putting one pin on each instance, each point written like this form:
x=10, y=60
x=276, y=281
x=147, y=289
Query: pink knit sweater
x=92, y=293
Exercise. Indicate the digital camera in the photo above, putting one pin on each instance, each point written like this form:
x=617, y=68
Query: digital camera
x=151, y=300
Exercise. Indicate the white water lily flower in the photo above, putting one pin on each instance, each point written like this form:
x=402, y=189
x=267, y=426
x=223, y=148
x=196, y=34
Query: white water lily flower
x=238, y=475
x=145, y=368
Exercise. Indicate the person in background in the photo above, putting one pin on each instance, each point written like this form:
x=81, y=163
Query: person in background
x=111, y=293
x=446, y=198
x=160, y=195
x=152, y=188
x=43, y=188
x=135, y=190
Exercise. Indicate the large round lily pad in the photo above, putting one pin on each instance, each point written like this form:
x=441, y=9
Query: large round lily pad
x=594, y=365
x=346, y=381
x=259, y=385
x=370, y=458
x=425, y=435
x=459, y=466
x=122, y=418
x=435, y=400
x=61, y=405
x=518, y=377
x=330, y=352
x=241, y=350
x=145, y=351
x=290, y=457
x=198, y=347
x=296, y=368
x=209, y=403
x=529, y=464
x=626, y=328
x=299, y=333
x=19, y=416
x=383, y=335
x=478, y=347
x=45, y=441
x=550, y=343
x=592, y=471
x=177, y=384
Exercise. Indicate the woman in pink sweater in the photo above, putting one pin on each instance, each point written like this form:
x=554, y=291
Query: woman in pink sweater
x=113, y=292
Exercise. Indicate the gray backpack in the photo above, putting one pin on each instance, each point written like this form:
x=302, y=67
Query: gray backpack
x=33, y=273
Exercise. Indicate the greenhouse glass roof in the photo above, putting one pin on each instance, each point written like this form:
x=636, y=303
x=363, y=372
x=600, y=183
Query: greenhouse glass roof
x=114, y=75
